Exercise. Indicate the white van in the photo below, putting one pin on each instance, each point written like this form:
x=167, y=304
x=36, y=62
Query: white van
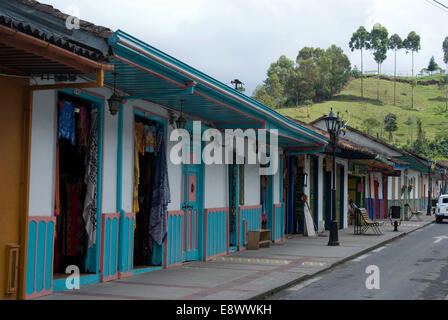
x=442, y=208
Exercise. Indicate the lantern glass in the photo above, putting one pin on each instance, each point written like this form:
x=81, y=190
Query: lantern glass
x=114, y=104
x=181, y=122
x=332, y=122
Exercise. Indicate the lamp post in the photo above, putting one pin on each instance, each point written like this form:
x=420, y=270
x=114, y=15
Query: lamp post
x=333, y=124
x=428, y=209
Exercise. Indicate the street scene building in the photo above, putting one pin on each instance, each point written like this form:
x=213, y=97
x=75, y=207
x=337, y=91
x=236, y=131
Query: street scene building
x=90, y=121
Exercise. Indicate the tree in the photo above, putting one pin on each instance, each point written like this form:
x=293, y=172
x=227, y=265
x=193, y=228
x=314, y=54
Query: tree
x=432, y=66
x=261, y=95
x=420, y=145
x=378, y=44
x=301, y=84
x=395, y=43
x=282, y=68
x=371, y=123
x=412, y=43
x=360, y=41
x=443, y=86
x=409, y=122
x=390, y=124
x=445, y=60
x=275, y=89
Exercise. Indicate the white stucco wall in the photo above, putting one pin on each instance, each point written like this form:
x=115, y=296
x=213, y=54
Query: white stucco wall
x=174, y=177
x=110, y=146
x=276, y=186
x=43, y=147
x=215, y=186
x=321, y=192
x=251, y=184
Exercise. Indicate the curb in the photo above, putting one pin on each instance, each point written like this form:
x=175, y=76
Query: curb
x=272, y=291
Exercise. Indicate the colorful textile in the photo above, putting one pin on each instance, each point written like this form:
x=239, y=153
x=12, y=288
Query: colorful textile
x=160, y=193
x=90, y=179
x=135, y=206
x=150, y=138
x=82, y=127
x=140, y=137
x=66, y=121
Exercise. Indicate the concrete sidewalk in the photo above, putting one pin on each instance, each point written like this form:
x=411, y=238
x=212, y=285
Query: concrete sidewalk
x=250, y=274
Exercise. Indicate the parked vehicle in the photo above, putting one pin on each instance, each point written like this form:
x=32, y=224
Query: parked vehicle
x=442, y=208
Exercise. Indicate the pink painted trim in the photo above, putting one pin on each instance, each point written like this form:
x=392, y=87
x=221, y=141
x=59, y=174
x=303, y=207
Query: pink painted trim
x=150, y=112
x=222, y=104
x=228, y=231
x=233, y=96
x=149, y=71
x=104, y=217
x=276, y=205
x=122, y=274
x=206, y=213
x=180, y=213
x=46, y=220
x=190, y=231
x=205, y=233
x=258, y=206
x=196, y=229
x=131, y=217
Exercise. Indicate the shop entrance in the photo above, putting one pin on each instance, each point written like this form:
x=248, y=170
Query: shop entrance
x=76, y=183
x=236, y=198
x=149, y=168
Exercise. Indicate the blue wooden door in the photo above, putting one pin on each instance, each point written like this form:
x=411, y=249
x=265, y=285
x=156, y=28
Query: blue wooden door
x=191, y=205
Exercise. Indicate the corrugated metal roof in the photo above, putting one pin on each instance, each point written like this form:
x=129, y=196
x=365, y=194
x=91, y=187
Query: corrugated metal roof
x=47, y=23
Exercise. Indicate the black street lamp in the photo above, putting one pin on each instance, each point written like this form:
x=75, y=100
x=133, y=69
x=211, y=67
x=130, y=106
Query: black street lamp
x=428, y=209
x=333, y=124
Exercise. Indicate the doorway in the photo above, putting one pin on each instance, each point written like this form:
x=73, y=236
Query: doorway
x=192, y=206
x=147, y=168
x=77, y=184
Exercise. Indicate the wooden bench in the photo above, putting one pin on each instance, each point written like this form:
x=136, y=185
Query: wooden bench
x=260, y=238
x=417, y=214
x=365, y=223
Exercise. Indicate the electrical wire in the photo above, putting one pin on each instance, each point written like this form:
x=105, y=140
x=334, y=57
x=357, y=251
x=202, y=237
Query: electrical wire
x=431, y=2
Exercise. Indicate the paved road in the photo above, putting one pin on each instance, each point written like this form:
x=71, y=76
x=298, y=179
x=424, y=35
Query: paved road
x=413, y=267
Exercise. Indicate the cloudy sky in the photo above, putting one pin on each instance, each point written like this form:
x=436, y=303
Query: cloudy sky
x=230, y=39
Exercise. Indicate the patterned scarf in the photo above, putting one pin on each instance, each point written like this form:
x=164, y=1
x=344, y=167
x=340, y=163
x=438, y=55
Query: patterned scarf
x=160, y=193
x=90, y=179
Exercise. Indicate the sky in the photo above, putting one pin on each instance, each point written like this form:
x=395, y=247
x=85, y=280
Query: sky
x=239, y=39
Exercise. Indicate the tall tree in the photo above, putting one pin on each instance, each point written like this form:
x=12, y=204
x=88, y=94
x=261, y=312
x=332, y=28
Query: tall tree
x=445, y=60
x=282, y=68
x=379, y=42
x=432, y=66
x=390, y=124
x=409, y=122
x=370, y=124
x=412, y=43
x=360, y=41
x=395, y=43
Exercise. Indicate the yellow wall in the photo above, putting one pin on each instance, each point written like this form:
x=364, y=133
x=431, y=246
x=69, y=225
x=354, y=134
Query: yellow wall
x=13, y=102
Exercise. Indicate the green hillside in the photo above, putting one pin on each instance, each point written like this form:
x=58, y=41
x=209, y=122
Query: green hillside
x=429, y=106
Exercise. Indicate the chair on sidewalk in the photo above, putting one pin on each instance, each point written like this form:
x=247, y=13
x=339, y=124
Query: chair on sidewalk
x=365, y=223
x=417, y=214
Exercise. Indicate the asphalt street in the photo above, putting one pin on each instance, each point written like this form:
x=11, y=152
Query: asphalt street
x=414, y=267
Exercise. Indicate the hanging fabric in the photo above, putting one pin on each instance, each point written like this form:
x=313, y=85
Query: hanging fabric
x=160, y=193
x=90, y=179
x=66, y=120
x=138, y=141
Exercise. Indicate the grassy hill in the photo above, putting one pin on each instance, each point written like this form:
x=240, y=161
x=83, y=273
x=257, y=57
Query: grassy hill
x=429, y=106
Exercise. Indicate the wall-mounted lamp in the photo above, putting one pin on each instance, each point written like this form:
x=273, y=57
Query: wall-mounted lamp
x=114, y=100
x=305, y=179
x=181, y=122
